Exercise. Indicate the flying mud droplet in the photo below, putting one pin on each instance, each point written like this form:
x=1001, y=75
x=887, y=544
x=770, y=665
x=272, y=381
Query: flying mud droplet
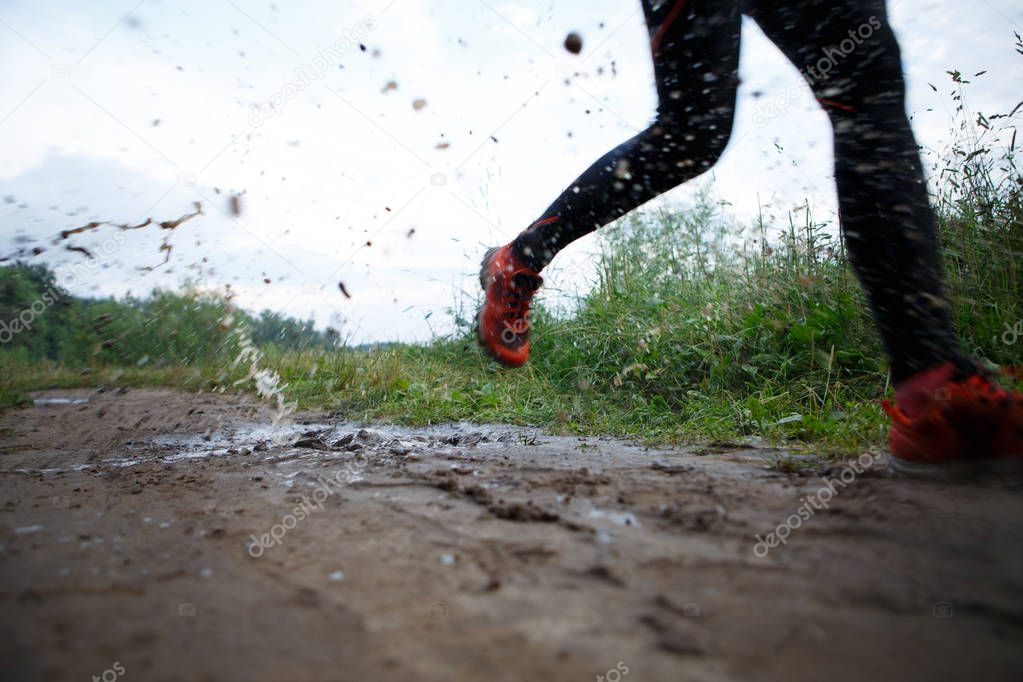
x=165, y=246
x=235, y=204
x=442, y=145
x=22, y=253
x=80, y=249
x=411, y=232
x=64, y=234
x=574, y=43
x=344, y=290
x=390, y=85
x=419, y=104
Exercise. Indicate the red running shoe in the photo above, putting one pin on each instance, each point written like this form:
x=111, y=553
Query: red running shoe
x=961, y=426
x=502, y=325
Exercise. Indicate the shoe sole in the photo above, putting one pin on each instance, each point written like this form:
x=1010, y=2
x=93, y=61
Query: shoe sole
x=483, y=266
x=998, y=467
x=487, y=350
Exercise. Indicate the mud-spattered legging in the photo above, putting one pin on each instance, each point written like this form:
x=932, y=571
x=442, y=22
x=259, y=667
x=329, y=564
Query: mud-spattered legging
x=887, y=222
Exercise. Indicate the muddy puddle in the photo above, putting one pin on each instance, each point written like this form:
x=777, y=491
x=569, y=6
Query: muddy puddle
x=59, y=401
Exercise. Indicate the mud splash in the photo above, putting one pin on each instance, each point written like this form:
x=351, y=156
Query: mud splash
x=165, y=246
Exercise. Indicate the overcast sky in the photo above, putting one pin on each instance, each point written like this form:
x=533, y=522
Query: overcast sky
x=390, y=168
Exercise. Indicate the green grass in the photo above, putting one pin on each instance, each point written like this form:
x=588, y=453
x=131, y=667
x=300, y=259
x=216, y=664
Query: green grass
x=21, y=378
x=692, y=331
x=683, y=337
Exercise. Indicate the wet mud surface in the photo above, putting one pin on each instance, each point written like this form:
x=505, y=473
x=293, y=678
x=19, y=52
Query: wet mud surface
x=185, y=537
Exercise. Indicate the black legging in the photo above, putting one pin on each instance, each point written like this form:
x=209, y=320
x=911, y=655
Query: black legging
x=847, y=52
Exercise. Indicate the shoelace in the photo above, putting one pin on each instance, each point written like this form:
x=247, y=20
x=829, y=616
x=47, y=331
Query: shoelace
x=517, y=309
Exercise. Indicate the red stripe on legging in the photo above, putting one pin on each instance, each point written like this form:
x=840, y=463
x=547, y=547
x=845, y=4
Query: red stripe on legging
x=837, y=105
x=655, y=43
x=544, y=221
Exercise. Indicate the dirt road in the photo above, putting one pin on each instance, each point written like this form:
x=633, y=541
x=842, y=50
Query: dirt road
x=152, y=535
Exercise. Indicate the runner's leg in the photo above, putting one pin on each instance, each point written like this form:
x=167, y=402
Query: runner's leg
x=695, y=47
x=848, y=53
